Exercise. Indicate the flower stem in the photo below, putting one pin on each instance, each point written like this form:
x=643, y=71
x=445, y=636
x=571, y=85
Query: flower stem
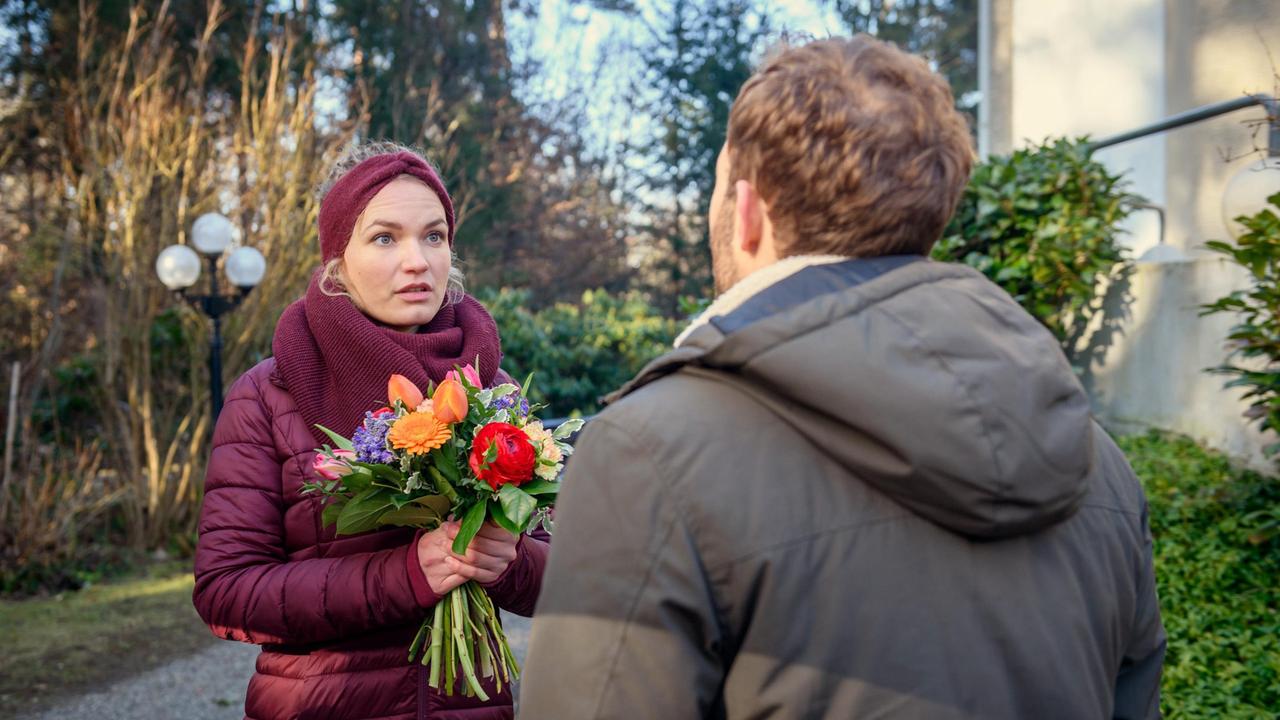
x=465, y=633
x=507, y=660
x=448, y=662
x=437, y=641
x=417, y=642
x=461, y=643
x=479, y=629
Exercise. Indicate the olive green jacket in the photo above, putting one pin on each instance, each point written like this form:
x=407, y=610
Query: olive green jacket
x=874, y=489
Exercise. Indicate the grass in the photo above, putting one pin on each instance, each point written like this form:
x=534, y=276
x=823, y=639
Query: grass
x=1217, y=559
x=70, y=643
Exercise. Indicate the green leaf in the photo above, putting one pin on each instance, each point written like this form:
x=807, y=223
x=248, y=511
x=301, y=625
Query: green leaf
x=439, y=503
x=362, y=513
x=417, y=516
x=338, y=440
x=471, y=522
x=357, y=481
x=504, y=390
x=442, y=463
x=443, y=485
x=567, y=428
x=331, y=511
x=541, y=487
x=1222, y=247
x=385, y=473
x=517, y=504
x=500, y=516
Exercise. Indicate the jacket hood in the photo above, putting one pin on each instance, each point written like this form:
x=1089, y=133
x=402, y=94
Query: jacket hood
x=923, y=379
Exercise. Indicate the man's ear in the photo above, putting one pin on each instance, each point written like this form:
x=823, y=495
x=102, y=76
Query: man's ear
x=749, y=211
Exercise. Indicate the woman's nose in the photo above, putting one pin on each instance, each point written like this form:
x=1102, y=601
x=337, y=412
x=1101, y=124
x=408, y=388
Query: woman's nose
x=413, y=259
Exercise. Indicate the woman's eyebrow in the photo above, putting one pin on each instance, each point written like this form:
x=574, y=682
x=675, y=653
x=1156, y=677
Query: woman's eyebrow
x=438, y=222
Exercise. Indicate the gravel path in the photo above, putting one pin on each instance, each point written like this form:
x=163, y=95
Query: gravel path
x=209, y=685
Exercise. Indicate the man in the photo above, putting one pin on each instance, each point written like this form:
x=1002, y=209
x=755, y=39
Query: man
x=867, y=484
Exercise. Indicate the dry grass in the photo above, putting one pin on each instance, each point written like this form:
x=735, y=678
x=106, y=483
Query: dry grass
x=71, y=643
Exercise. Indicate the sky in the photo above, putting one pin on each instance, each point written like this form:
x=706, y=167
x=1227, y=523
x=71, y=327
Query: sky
x=589, y=55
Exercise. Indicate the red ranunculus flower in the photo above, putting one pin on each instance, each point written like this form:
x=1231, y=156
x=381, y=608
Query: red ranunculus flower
x=512, y=459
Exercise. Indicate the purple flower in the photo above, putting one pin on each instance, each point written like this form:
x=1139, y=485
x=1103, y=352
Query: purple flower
x=370, y=440
x=508, y=402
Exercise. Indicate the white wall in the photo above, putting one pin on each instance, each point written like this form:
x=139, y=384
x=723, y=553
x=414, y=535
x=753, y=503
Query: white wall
x=1153, y=375
x=1099, y=67
x=1094, y=67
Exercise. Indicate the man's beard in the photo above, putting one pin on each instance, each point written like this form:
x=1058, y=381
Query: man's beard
x=722, y=266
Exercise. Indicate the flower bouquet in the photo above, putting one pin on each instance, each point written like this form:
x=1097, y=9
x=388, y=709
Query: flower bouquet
x=460, y=451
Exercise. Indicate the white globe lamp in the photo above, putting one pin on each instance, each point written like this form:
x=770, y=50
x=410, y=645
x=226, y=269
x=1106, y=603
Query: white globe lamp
x=213, y=233
x=178, y=267
x=245, y=267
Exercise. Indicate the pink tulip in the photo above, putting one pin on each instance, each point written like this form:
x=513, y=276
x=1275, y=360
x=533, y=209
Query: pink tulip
x=469, y=372
x=332, y=468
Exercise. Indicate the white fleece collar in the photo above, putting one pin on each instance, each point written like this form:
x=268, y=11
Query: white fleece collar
x=752, y=284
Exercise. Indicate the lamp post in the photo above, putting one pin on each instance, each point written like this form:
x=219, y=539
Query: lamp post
x=179, y=267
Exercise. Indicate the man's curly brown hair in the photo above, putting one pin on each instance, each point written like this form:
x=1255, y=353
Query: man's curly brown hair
x=855, y=146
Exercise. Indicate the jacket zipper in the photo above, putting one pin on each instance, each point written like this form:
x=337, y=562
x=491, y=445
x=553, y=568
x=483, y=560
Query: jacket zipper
x=422, y=691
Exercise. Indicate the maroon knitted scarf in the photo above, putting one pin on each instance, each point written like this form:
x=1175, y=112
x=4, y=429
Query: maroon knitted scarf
x=335, y=361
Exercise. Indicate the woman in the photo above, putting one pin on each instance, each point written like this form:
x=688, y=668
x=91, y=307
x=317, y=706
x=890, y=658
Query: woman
x=335, y=615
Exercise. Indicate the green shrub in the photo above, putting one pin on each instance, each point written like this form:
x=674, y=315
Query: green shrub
x=1218, y=579
x=1043, y=224
x=577, y=352
x=1257, y=337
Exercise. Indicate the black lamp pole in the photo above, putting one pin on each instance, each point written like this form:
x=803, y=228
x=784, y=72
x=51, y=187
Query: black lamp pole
x=215, y=305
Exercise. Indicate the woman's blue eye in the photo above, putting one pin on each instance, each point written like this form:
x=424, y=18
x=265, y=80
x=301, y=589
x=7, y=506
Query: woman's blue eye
x=435, y=237
x=383, y=239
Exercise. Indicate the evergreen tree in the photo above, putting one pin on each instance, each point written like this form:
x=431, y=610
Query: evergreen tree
x=700, y=56
x=944, y=32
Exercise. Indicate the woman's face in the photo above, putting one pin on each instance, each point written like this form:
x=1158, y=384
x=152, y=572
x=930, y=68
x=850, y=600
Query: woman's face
x=396, y=265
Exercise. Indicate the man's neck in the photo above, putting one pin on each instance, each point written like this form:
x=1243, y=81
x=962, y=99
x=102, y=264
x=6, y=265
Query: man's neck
x=759, y=279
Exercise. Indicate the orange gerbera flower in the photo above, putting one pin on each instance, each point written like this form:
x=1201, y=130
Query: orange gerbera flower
x=419, y=433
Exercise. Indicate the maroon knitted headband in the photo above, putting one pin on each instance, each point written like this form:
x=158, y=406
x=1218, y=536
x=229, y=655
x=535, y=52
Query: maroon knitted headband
x=348, y=197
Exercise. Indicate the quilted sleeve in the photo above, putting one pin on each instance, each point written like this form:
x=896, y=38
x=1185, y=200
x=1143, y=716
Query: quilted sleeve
x=245, y=587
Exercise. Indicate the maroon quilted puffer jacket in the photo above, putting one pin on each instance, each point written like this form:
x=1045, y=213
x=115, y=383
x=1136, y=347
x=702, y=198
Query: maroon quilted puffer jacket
x=334, y=616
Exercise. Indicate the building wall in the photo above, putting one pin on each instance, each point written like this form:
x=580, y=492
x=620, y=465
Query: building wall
x=1098, y=67
x=1217, y=50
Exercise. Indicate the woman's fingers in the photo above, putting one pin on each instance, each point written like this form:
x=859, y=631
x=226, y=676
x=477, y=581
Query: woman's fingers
x=488, y=554
x=485, y=562
x=488, y=531
x=471, y=572
x=496, y=532
x=488, y=546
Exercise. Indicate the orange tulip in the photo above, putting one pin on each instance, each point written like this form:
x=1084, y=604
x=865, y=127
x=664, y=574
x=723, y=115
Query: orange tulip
x=402, y=388
x=450, y=402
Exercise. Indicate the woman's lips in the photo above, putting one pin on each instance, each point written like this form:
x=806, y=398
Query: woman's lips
x=414, y=295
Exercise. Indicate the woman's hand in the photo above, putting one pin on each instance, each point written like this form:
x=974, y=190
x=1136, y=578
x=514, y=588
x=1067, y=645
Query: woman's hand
x=487, y=557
